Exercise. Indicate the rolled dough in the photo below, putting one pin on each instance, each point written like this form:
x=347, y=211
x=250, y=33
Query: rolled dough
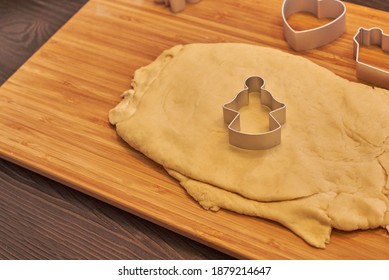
x=330, y=170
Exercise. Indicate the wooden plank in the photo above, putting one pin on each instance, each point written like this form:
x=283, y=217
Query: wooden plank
x=53, y=115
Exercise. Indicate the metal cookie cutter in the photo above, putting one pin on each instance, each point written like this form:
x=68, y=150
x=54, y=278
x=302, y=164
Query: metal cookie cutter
x=176, y=5
x=366, y=72
x=277, y=117
x=319, y=36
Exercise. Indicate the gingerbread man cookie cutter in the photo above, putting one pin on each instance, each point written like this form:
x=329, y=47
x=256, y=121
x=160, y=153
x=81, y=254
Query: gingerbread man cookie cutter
x=366, y=72
x=277, y=117
x=176, y=5
x=319, y=36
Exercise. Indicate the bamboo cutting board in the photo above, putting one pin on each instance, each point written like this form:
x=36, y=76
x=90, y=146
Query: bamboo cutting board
x=53, y=115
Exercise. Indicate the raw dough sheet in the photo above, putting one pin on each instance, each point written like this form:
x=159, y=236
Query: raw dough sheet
x=330, y=170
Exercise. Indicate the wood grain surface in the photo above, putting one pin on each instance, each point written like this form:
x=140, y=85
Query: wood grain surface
x=43, y=219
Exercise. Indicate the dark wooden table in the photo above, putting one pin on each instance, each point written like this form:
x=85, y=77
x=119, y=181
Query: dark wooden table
x=42, y=219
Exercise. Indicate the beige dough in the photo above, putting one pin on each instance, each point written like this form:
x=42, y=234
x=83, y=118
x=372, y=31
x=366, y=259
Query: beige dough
x=330, y=170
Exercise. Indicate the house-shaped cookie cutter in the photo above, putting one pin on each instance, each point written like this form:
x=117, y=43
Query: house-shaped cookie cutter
x=315, y=37
x=366, y=72
x=277, y=117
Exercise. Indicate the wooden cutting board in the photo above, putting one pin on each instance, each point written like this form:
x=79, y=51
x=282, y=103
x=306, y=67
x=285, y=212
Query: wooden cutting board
x=53, y=115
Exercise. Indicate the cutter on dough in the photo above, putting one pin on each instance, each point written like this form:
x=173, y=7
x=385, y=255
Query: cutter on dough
x=366, y=72
x=176, y=5
x=277, y=117
x=319, y=36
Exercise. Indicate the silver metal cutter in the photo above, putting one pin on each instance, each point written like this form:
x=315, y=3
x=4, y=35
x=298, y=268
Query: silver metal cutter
x=176, y=5
x=319, y=36
x=366, y=72
x=277, y=117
